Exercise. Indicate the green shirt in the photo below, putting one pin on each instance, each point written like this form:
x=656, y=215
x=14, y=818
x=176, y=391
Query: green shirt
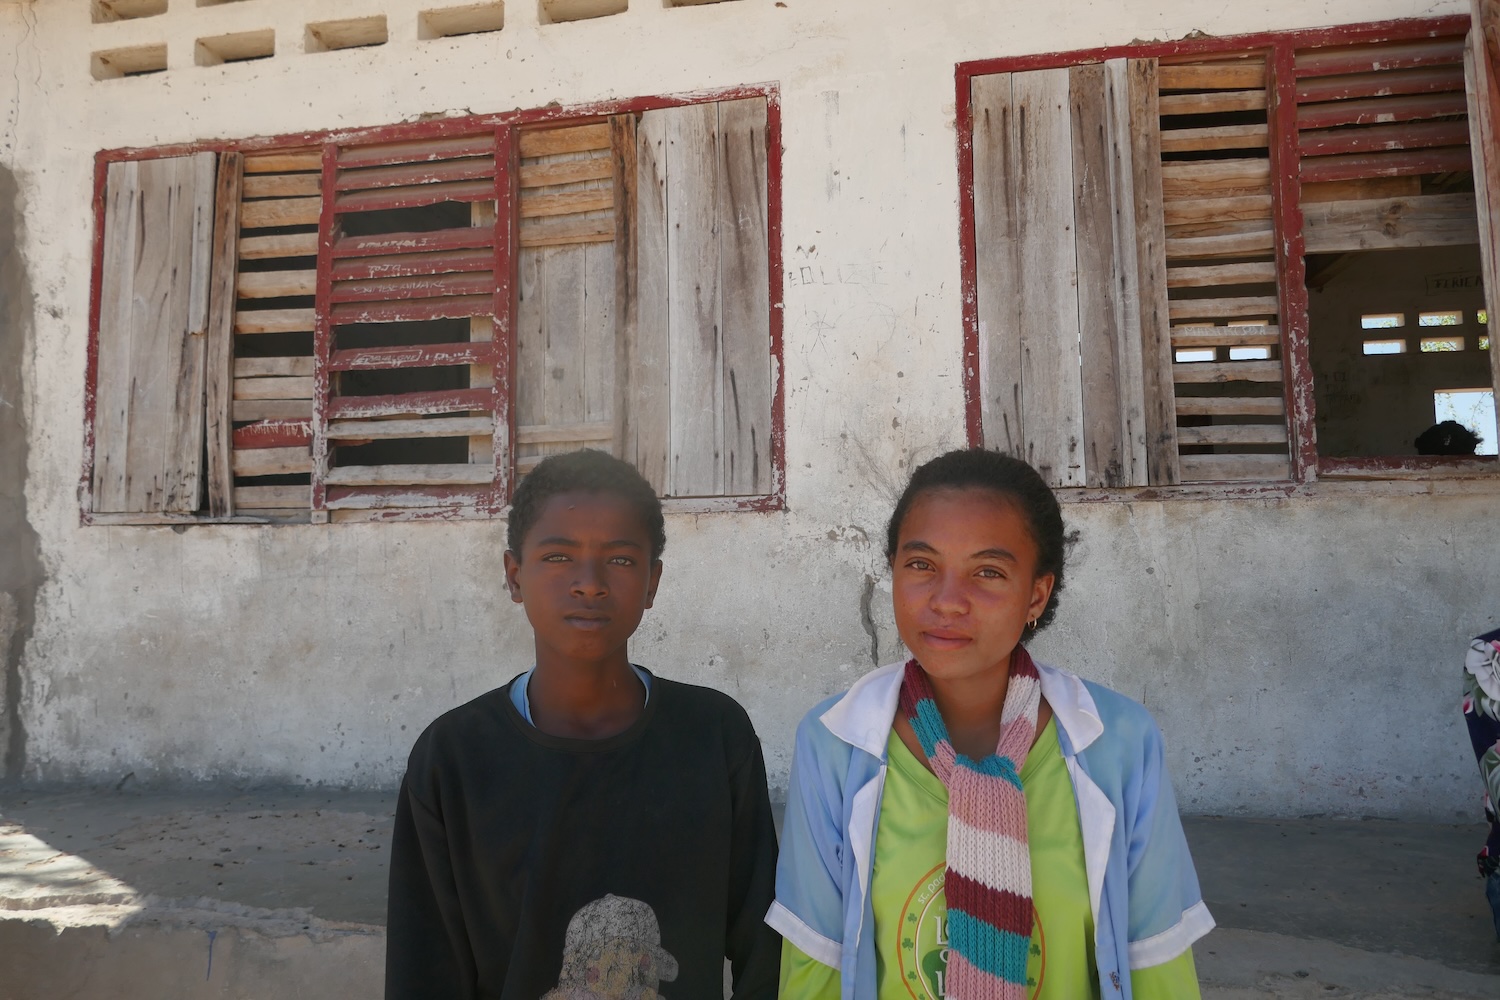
x=907, y=893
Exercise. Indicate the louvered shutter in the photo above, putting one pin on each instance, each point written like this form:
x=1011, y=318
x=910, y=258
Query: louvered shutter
x=407, y=294
x=153, y=317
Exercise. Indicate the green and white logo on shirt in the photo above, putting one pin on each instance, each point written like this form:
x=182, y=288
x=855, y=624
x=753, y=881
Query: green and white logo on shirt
x=923, y=954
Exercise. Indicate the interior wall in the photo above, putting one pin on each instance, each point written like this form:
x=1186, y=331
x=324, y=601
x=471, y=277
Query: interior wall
x=1301, y=654
x=1377, y=404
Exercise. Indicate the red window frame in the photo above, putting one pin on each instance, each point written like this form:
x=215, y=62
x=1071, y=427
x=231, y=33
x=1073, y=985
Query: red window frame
x=505, y=123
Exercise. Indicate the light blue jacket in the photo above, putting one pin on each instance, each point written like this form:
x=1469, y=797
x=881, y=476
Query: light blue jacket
x=1142, y=888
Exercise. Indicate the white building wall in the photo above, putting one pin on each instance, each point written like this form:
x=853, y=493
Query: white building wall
x=1301, y=655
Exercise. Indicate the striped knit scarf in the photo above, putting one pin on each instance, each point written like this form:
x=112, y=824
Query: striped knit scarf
x=988, y=881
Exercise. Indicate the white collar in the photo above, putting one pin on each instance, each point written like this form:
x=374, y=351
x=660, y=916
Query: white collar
x=863, y=716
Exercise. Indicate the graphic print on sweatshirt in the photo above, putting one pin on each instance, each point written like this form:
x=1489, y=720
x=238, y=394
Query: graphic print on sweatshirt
x=924, y=942
x=612, y=951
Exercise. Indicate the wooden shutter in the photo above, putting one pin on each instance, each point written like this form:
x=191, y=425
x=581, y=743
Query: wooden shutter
x=1221, y=270
x=565, y=309
x=153, y=319
x=414, y=301
x=274, y=236
x=696, y=356
x=1482, y=65
x=1068, y=267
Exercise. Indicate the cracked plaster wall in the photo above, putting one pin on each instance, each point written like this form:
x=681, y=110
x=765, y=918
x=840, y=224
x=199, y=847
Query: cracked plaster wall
x=1302, y=656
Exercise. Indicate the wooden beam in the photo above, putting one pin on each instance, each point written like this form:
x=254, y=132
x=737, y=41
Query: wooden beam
x=1227, y=245
x=282, y=186
x=1231, y=468
x=259, y=367
x=1212, y=372
x=1239, y=74
x=1190, y=211
x=577, y=139
x=220, y=361
x=1184, y=140
x=565, y=433
x=272, y=497
x=1231, y=406
x=273, y=320
x=272, y=409
x=595, y=168
x=283, y=161
x=1421, y=221
x=409, y=475
x=286, y=245
x=280, y=212
x=439, y=427
x=276, y=284
x=1225, y=336
x=273, y=387
x=1232, y=434
x=1215, y=178
x=272, y=462
x=1223, y=308
x=1213, y=102
x=1207, y=275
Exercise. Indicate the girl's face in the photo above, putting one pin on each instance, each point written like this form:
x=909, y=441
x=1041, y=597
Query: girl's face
x=964, y=581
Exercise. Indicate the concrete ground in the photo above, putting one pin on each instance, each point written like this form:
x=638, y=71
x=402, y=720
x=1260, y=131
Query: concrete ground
x=282, y=895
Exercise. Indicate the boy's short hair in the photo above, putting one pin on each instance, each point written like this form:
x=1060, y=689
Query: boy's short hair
x=585, y=471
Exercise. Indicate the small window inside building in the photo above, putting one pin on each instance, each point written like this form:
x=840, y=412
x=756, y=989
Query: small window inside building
x=1381, y=321
x=1452, y=318
x=1433, y=345
x=1249, y=353
x=1385, y=347
x=1474, y=408
x=1482, y=317
x=1197, y=354
x=1484, y=343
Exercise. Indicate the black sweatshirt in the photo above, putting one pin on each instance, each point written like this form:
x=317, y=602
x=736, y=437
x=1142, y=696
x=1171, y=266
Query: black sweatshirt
x=508, y=842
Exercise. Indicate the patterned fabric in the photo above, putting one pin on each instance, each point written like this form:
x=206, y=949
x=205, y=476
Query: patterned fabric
x=988, y=882
x=1481, y=708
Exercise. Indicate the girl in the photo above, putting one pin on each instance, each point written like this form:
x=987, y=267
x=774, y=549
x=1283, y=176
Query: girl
x=970, y=824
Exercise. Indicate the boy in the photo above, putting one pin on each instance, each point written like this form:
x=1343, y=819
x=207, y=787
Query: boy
x=588, y=830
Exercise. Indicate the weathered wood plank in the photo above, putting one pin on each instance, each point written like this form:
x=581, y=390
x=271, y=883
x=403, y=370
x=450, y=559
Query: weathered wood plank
x=1232, y=434
x=273, y=321
x=1240, y=74
x=282, y=186
x=407, y=403
x=997, y=264
x=409, y=475
x=284, y=161
x=693, y=325
x=437, y=427
x=1226, y=245
x=745, y=294
x=1385, y=56
x=1213, y=372
x=1225, y=336
x=529, y=401
x=1233, y=468
x=1143, y=85
x=286, y=245
x=648, y=428
x=622, y=132
x=567, y=229
x=273, y=387
x=1051, y=387
x=276, y=284
x=1210, y=275
x=272, y=409
x=484, y=448
x=1380, y=110
x=547, y=174
x=274, y=434
x=252, y=462
x=1189, y=211
x=563, y=337
x=1215, y=178
x=219, y=360
x=1224, y=308
x=1362, y=189
x=1231, y=406
x=584, y=433
x=417, y=150
x=257, y=367
x=425, y=172
x=149, y=418
x=537, y=206
x=272, y=497
x=400, y=265
x=1383, y=138
x=1213, y=102
x=1123, y=122
x=1184, y=140
x=412, y=196
x=1101, y=292
x=575, y=139
x=280, y=212
x=1380, y=83
x=1420, y=221
x=598, y=351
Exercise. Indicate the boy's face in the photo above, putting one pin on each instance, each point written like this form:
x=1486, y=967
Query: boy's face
x=585, y=577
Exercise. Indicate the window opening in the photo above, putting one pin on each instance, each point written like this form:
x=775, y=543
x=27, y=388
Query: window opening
x=1382, y=321
x=1385, y=347
x=1435, y=345
x=1474, y=408
x=1451, y=318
